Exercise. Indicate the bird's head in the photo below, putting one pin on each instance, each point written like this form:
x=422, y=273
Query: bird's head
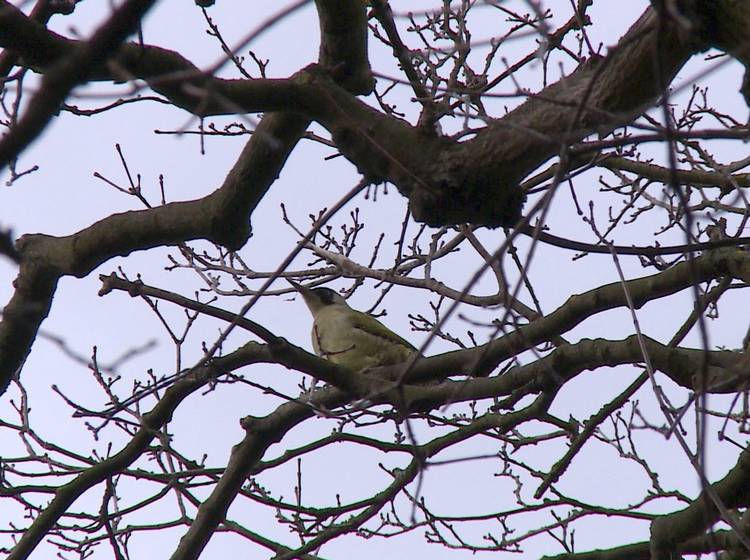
x=318, y=298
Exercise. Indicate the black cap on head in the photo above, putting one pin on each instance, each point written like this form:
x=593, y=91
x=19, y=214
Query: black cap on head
x=326, y=295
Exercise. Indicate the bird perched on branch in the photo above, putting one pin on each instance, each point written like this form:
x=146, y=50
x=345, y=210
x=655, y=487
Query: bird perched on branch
x=349, y=337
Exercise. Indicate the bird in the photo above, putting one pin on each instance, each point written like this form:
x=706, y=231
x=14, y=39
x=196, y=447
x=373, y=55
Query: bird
x=349, y=337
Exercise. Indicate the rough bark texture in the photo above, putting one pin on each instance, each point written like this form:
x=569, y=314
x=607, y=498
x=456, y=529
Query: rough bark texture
x=448, y=182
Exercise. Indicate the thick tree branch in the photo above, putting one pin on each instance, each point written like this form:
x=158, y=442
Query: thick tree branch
x=262, y=432
x=221, y=217
x=343, y=44
x=722, y=24
x=69, y=72
x=447, y=182
x=546, y=374
x=483, y=359
x=42, y=12
x=668, y=531
x=725, y=368
x=567, y=361
x=593, y=423
x=715, y=542
x=67, y=494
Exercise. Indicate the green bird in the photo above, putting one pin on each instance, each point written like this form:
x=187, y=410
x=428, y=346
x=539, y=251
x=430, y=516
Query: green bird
x=349, y=337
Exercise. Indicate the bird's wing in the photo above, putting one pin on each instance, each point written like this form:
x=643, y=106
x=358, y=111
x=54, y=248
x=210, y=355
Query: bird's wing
x=371, y=326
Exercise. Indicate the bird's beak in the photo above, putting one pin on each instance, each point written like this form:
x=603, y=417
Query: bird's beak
x=306, y=293
x=299, y=287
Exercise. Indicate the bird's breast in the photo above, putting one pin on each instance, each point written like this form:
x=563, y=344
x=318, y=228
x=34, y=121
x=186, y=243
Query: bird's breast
x=336, y=338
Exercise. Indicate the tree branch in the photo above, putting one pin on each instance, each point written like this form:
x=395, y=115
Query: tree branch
x=343, y=44
x=483, y=359
x=152, y=421
x=69, y=72
x=221, y=217
x=447, y=182
x=668, y=531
